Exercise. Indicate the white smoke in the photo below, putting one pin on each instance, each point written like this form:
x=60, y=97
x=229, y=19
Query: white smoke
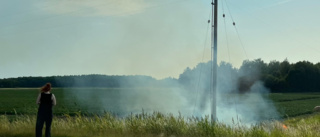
x=233, y=106
x=236, y=105
x=248, y=108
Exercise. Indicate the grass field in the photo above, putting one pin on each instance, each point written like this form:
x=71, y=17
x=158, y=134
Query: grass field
x=158, y=125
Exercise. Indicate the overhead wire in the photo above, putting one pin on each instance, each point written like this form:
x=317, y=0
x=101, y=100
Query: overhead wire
x=225, y=26
x=315, y=50
x=201, y=66
x=235, y=26
x=308, y=45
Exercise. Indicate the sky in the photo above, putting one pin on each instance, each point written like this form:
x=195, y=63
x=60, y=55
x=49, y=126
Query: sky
x=158, y=38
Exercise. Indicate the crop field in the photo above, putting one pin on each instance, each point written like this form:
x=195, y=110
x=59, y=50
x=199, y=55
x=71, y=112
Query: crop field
x=18, y=115
x=295, y=104
x=22, y=101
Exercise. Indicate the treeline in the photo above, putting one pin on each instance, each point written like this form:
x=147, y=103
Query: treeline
x=84, y=81
x=277, y=76
x=302, y=76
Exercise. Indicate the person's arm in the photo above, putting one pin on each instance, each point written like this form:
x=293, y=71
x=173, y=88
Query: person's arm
x=54, y=101
x=38, y=99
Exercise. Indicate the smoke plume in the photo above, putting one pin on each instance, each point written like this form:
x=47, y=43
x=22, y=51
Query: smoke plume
x=237, y=101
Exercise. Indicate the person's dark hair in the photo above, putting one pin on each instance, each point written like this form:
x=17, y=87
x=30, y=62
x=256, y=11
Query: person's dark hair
x=46, y=87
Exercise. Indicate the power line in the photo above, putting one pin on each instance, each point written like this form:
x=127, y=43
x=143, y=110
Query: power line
x=225, y=28
x=234, y=24
x=235, y=101
x=201, y=66
x=315, y=50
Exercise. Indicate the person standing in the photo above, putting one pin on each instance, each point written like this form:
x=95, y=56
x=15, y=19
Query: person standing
x=46, y=100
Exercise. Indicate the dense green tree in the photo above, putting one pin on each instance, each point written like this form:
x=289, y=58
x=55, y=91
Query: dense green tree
x=304, y=76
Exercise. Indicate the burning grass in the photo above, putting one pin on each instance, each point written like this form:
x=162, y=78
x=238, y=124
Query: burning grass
x=156, y=124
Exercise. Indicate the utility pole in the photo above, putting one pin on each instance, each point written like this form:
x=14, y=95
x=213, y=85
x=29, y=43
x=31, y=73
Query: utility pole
x=214, y=45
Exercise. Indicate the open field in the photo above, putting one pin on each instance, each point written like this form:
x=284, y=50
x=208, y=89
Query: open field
x=22, y=101
x=18, y=117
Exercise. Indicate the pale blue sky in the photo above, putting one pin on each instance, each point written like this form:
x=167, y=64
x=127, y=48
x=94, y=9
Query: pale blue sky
x=159, y=38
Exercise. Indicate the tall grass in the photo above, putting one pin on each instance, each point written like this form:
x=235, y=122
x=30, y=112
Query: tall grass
x=156, y=124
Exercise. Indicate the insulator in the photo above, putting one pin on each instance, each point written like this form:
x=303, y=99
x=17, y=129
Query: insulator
x=208, y=21
x=224, y=15
x=212, y=3
x=234, y=23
